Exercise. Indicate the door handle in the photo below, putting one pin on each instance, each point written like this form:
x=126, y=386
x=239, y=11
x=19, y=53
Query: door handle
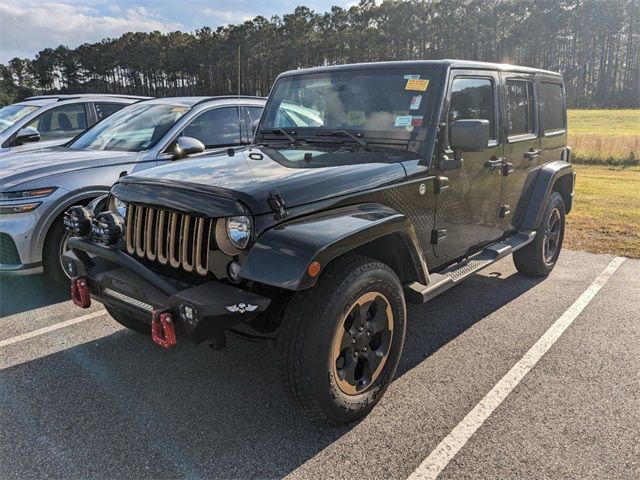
x=494, y=162
x=531, y=154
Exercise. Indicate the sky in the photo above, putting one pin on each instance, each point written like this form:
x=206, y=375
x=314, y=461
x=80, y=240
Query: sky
x=28, y=26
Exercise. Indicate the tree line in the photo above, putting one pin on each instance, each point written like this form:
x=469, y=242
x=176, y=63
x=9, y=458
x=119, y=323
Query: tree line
x=595, y=44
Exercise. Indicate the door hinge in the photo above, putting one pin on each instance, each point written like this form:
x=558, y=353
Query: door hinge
x=504, y=211
x=440, y=184
x=438, y=236
x=276, y=202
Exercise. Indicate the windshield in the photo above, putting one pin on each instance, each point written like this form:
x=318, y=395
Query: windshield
x=389, y=103
x=10, y=114
x=133, y=129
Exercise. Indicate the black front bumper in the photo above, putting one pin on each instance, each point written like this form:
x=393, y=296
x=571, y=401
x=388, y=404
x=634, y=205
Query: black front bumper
x=118, y=280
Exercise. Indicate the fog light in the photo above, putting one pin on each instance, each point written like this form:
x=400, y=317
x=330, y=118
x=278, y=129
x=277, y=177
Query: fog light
x=77, y=220
x=233, y=271
x=70, y=268
x=107, y=228
x=188, y=314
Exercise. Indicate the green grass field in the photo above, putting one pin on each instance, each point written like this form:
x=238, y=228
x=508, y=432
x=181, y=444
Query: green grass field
x=605, y=137
x=606, y=213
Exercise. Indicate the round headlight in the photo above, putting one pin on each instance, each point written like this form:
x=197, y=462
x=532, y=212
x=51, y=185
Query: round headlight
x=239, y=231
x=118, y=206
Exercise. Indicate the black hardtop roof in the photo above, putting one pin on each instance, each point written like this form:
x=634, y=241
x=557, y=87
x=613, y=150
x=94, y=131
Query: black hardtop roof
x=446, y=63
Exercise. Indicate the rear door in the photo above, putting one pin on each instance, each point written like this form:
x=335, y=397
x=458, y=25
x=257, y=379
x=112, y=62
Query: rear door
x=522, y=145
x=553, y=117
x=466, y=214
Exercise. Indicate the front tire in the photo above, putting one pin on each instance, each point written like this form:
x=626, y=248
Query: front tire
x=538, y=258
x=54, y=246
x=342, y=340
x=129, y=321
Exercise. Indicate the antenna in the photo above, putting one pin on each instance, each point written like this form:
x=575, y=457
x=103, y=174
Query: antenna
x=238, y=70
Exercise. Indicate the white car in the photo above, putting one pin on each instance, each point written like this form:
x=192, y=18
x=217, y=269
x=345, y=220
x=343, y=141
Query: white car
x=49, y=120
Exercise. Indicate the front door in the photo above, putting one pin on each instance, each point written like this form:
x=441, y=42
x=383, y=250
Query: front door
x=467, y=212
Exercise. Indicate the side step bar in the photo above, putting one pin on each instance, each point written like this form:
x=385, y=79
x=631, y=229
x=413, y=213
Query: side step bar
x=440, y=282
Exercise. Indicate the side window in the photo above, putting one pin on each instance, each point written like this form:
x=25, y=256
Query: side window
x=254, y=117
x=103, y=110
x=61, y=122
x=552, y=107
x=520, y=107
x=216, y=128
x=473, y=98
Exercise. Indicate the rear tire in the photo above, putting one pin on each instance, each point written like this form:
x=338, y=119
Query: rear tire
x=129, y=321
x=342, y=340
x=539, y=257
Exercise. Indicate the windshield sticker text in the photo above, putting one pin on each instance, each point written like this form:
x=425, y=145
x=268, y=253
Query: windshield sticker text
x=415, y=102
x=403, y=121
x=411, y=77
x=417, y=85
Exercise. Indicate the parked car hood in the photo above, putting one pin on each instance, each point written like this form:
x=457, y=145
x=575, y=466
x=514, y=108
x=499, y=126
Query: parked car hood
x=30, y=147
x=250, y=175
x=23, y=167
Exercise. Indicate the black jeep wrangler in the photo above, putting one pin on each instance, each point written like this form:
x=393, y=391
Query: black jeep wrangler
x=367, y=186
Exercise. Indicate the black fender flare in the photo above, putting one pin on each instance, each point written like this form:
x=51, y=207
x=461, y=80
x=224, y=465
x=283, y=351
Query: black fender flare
x=280, y=257
x=545, y=182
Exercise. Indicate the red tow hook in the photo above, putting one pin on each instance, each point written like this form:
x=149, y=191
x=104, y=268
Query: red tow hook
x=163, y=332
x=80, y=292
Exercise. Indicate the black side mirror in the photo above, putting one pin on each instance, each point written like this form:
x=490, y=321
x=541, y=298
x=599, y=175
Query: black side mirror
x=27, y=135
x=469, y=135
x=186, y=146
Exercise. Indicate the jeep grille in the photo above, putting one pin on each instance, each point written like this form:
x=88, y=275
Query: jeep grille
x=169, y=238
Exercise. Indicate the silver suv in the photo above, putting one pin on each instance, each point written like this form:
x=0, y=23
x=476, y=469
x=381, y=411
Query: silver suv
x=49, y=120
x=37, y=187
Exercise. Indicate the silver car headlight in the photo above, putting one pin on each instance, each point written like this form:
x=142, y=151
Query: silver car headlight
x=118, y=206
x=239, y=231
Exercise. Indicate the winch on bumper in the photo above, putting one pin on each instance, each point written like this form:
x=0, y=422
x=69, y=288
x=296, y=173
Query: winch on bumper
x=114, y=278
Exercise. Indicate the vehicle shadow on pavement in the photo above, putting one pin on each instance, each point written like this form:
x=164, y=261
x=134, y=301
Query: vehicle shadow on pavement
x=120, y=407
x=26, y=292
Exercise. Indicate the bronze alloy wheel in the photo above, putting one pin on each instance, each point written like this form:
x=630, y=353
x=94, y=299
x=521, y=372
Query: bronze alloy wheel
x=552, y=235
x=362, y=343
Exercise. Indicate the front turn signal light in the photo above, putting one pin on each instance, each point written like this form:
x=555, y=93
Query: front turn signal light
x=22, y=208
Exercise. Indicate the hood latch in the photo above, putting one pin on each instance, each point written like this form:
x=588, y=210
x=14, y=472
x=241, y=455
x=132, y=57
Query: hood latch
x=276, y=202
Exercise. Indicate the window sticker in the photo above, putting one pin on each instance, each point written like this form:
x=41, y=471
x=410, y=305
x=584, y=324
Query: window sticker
x=403, y=121
x=415, y=102
x=410, y=76
x=417, y=85
x=417, y=121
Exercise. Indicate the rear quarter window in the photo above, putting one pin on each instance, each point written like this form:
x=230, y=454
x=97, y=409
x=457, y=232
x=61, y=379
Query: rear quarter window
x=552, y=107
x=103, y=110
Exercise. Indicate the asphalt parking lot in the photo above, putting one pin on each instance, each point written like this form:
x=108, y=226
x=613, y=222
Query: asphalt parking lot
x=88, y=399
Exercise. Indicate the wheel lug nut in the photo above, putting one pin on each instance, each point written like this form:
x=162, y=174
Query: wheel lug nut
x=368, y=334
x=353, y=340
x=355, y=354
x=360, y=329
x=364, y=349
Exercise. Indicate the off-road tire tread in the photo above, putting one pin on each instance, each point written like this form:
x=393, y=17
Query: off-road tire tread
x=345, y=269
x=128, y=321
x=529, y=260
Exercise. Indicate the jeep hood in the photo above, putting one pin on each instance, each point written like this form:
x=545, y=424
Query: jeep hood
x=250, y=175
x=19, y=168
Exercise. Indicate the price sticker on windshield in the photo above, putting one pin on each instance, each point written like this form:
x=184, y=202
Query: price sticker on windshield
x=417, y=85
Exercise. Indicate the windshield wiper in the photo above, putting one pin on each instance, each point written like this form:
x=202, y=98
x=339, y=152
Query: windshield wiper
x=347, y=133
x=280, y=131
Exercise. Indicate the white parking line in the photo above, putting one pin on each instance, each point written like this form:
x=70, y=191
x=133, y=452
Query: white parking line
x=50, y=328
x=440, y=457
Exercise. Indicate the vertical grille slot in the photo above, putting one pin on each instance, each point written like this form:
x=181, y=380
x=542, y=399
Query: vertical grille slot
x=176, y=239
